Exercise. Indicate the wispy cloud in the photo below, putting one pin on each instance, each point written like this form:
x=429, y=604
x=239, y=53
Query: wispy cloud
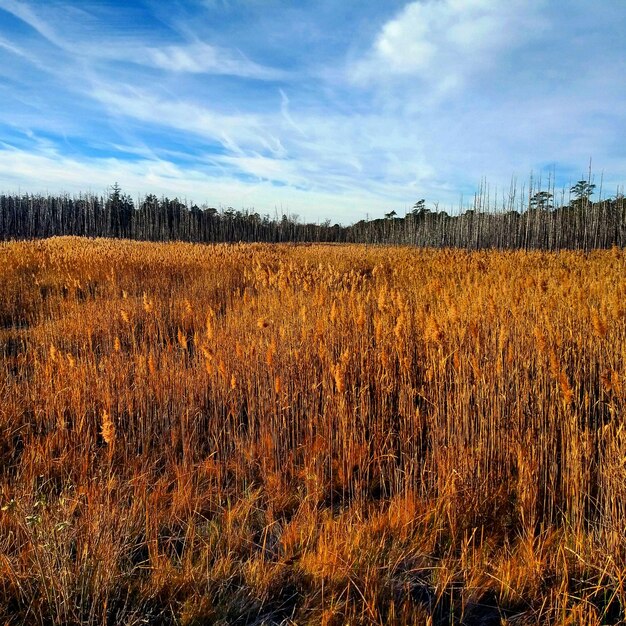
x=195, y=57
x=56, y=173
x=26, y=13
x=202, y=58
x=229, y=130
x=332, y=111
x=13, y=49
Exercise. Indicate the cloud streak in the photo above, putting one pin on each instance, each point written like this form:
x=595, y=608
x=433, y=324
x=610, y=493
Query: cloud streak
x=201, y=58
x=330, y=111
x=55, y=173
x=195, y=57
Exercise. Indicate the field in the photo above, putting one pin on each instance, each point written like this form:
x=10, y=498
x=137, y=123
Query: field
x=258, y=434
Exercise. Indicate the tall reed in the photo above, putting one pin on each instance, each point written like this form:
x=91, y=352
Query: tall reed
x=311, y=434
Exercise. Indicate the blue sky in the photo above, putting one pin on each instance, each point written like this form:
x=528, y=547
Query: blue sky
x=338, y=109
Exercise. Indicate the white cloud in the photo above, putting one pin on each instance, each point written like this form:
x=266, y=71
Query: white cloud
x=50, y=172
x=229, y=130
x=202, y=58
x=196, y=57
x=11, y=48
x=328, y=152
x=24, y=12
x=284, y=109
x=444, y=42
x=447, y=92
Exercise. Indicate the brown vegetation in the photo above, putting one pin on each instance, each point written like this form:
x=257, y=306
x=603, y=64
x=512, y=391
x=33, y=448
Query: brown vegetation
x=255, y=434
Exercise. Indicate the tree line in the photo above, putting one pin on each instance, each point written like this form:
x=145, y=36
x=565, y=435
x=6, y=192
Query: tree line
x=539, y=224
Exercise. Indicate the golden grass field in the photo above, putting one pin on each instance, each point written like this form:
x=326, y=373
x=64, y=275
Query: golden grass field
x=258, y=434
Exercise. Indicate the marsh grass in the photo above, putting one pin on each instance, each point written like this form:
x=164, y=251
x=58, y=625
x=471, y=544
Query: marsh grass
x=268, y=434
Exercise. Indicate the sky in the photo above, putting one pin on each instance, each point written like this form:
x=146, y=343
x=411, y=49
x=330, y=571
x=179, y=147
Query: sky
x=321, y=109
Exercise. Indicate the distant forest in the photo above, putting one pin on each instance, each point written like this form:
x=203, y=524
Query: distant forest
x=538, y=224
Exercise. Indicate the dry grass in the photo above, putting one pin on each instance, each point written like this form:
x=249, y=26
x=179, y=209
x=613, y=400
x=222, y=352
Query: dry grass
x=253, y=434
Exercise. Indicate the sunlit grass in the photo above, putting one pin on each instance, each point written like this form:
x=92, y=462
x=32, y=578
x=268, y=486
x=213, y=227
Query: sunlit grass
x=310, y=434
